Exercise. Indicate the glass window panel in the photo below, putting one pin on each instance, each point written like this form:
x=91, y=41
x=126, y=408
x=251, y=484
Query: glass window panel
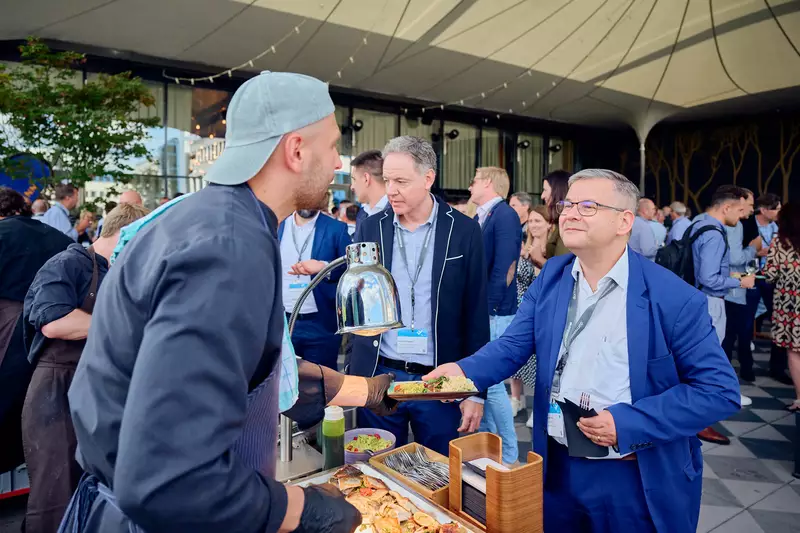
x=458, y=155
x=492, y=148
x=341, y=114
x=375, y=132
x=528, y=176
x=556, y=155
x=195, y=135
x=415, y=127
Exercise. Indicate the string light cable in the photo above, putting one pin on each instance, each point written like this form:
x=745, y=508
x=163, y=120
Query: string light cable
x=250, y=63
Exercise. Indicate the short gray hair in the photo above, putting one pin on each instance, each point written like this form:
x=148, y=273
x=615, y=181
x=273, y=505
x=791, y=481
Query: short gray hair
x=622, y=185
x=420, y=151
x=678, y=207
x=524, y=198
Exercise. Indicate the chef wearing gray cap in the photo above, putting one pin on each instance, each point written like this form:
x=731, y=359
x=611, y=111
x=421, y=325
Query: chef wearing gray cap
x=175, y=398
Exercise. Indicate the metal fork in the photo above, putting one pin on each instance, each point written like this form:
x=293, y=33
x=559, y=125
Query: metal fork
x=585, y=400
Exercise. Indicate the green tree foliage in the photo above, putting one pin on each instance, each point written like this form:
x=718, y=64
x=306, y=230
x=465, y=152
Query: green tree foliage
x=84, y=130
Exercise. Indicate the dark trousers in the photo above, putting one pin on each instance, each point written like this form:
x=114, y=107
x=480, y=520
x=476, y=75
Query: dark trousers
x=739, y=327
x=314, y=343
x=778, y=358
x=434, y=424
x=591, y=496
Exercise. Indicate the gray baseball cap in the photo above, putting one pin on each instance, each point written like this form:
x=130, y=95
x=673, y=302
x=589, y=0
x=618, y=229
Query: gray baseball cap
x=264, y=109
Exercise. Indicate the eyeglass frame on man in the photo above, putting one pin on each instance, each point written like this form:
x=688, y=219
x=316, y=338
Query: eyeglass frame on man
x=565, y=205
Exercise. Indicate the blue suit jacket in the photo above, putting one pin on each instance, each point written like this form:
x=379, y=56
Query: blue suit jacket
x=330, y=242
x=459, y=308
x=681, y=382
x=502, y=242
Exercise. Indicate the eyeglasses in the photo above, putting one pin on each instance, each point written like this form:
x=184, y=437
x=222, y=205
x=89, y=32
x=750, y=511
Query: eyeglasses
x=474, y=180
x=587, y=208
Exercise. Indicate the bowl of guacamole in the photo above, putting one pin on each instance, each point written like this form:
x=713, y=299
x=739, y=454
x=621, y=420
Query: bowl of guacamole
x=362, y=443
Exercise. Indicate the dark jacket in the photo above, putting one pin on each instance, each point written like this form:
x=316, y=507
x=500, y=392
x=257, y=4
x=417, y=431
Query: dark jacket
x=330, y=242
x=749, y=230
x=459, y=307
x=187, y=323
x=25, y=245
x=502, y=242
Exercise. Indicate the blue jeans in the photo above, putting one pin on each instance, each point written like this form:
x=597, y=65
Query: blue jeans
x=434, y=424
x=497, y=415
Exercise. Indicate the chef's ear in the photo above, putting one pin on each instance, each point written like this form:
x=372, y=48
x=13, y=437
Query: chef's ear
x=292, y=144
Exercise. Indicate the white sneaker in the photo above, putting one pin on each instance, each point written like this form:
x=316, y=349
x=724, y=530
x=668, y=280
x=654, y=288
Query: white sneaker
x=517, y=405
x=529, y=423
x=752, y=347
x=745, y=401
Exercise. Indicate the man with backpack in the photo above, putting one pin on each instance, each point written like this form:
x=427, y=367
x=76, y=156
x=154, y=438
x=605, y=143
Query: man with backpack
x=711, y=260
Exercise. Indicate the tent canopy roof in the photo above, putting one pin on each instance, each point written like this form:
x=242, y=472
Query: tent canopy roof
x=580, y=61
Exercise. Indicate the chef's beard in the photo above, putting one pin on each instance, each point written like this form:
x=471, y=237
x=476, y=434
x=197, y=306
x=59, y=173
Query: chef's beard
x=312, y=189
x=307, y=213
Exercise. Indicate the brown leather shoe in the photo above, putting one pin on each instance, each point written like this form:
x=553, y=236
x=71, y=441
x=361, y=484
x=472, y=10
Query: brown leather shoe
x=713, y=436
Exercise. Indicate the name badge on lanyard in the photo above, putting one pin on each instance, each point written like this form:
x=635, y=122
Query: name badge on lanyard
x=412, y=341
x=296, y=288
x=555, y=421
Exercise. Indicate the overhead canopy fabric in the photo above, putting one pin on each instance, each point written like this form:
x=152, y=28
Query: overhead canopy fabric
x=581, y=61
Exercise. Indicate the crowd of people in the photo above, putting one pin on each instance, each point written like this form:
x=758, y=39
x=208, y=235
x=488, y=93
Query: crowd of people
x=143, y=367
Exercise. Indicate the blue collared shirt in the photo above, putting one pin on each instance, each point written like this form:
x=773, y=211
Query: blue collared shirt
x=712, y=259
x=767, y=233
x=58, y=217
x=484, y=210
x=659, y=230
x=740, y=255
x=380, y=206
x=679, y=227
x=643, y=240
x=422, y=290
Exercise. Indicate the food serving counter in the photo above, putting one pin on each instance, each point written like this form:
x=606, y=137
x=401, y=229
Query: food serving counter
x=412, y=489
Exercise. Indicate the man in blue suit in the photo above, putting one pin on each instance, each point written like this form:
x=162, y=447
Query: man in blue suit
x=435, y=255
x=308, y=242
x=502, y=242
x=617, y=334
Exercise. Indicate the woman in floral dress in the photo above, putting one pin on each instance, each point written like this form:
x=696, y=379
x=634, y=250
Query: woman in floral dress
x=532, y=257
x=783, y=271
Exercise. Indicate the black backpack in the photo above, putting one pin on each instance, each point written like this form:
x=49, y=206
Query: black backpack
x=678, y=256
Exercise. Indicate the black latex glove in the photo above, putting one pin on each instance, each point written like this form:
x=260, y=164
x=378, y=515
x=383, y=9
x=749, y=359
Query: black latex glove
x=377, y=401
x=326, y=510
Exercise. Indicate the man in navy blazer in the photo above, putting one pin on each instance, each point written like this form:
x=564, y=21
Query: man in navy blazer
x=435, y=255
x=501, y=244
x=314, y=336
x=647, y=361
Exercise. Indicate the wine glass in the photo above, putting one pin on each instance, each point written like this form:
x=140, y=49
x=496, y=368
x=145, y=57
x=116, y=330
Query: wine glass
x=751, y=267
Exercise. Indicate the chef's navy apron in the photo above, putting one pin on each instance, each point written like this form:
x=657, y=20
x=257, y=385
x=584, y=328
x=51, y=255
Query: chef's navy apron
x=48, y=437
x=256, y=446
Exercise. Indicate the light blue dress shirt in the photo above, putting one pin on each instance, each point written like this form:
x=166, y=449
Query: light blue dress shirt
x=422, y=290
x=767, y=233
x=712, y=259
x=739, y=255
x=679, y=227
x=660, y=231
x=643, y=240
x=58, y=217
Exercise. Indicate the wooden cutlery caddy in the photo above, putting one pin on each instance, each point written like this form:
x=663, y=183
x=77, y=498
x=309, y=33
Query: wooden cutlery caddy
x=439, y=497
x=514, y=499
